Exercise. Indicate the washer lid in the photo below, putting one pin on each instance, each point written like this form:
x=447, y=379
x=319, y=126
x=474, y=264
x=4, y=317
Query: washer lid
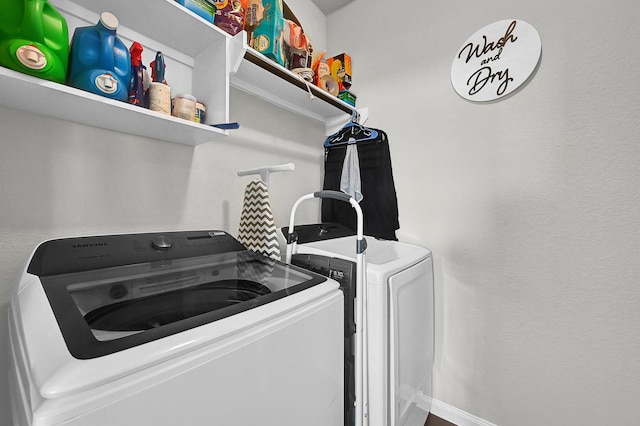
x=116, y=292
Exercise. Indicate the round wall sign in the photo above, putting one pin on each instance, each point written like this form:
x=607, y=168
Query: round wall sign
x=496, y=60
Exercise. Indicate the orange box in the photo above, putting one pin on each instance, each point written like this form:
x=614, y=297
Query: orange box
x=340, y=67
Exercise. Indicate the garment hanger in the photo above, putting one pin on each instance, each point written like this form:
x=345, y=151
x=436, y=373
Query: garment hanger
x=352, y=132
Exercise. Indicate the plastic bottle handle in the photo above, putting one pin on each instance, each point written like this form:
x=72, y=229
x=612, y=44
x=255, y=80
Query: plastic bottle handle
x=30, y=22
x=107, y=46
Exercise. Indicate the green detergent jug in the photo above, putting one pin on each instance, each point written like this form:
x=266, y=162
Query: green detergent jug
x=34, y=39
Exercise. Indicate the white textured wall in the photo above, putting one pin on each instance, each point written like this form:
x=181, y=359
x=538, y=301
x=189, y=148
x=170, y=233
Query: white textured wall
x=530, y=205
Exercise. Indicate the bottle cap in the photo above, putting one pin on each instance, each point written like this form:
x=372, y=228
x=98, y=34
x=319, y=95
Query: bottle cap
x=109, y=20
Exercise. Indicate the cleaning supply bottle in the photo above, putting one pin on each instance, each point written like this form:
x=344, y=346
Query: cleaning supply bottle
x=158, y=67
x=159, y=91
x=34, y=39
x=99, y=61
x=136, y=88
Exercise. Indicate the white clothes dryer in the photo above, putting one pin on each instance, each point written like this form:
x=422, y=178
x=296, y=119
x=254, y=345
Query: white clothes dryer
x=178, y=328
x=400, y=318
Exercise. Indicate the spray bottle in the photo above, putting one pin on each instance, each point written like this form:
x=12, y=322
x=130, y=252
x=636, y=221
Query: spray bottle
x=157, y=69
x=136, y=88
x=159, y=92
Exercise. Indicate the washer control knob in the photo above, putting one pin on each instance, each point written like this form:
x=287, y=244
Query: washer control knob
x=118, y=291
x=162, y=243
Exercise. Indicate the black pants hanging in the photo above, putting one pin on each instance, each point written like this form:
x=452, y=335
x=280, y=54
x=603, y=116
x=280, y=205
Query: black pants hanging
x=379, y=204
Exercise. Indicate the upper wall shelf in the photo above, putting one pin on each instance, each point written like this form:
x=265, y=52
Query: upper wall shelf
x=205, y=60
x=264, y=78
x=164, y=21
x=45, y=97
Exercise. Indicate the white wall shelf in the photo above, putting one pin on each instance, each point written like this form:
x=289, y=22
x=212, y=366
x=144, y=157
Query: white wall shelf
x=201, y=59
x=32, y=94
x=264, y=78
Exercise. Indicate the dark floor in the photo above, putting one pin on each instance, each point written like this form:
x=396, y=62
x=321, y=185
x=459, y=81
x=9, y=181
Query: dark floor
x=437, y=421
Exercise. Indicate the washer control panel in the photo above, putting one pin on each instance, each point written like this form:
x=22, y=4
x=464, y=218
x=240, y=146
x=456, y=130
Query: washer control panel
x=70, y=255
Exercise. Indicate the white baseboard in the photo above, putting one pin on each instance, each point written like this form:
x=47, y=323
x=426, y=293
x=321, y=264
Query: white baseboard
x=450, y=413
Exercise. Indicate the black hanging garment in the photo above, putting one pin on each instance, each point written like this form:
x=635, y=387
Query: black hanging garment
x=379, y=203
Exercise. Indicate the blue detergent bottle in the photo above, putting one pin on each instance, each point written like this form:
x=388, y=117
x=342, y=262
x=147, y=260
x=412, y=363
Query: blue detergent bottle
x=99, y=62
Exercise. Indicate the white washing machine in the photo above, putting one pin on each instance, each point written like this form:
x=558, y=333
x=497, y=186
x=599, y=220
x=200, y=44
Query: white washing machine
x=179, y=328
x=400, y=320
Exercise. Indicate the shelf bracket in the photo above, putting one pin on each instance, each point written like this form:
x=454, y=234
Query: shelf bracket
x=237, y=49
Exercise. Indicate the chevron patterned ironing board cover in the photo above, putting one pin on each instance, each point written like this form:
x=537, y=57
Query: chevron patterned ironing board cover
x=257, y=229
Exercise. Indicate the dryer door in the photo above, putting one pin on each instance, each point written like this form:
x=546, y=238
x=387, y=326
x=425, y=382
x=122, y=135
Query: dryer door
x=411, y=344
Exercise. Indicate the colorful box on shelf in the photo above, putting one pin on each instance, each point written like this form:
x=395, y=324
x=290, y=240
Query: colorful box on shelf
x=203, y=8
x=230, y=15
x=268, y=37
x=348, y=97
x=340, y=66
